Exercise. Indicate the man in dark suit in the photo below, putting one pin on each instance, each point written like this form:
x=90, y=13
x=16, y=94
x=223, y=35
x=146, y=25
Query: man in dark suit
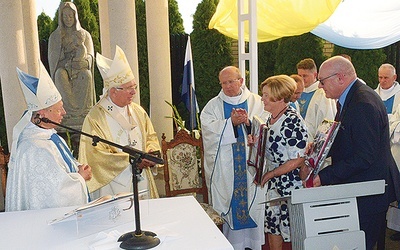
x=361, y=150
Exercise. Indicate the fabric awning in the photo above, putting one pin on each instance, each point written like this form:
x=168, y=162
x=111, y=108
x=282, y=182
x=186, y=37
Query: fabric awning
x=359, y=24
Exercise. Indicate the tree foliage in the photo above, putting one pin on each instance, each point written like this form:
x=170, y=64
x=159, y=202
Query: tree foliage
x=366, y=62
x=266, y=59
x=211, y=52
x=175, y=18
x=45, y=24
x=293, y=49
x=142, y=54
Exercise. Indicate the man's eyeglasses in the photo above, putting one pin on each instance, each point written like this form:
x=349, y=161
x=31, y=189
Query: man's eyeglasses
x=323, y=79
x=229, y=81
x=128, y=89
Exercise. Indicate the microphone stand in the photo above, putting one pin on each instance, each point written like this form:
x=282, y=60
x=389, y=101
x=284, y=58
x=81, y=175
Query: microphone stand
x=137, y=239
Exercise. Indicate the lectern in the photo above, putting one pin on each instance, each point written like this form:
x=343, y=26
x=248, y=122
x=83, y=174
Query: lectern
x=326, y=217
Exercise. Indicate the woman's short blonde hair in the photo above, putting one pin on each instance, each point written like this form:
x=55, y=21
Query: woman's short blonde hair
x=281, y=87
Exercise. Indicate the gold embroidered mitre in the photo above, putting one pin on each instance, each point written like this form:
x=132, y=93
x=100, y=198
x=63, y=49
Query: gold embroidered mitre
x=114, y=72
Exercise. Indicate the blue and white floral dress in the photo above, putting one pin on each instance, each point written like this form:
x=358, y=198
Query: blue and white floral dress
x=287, y=139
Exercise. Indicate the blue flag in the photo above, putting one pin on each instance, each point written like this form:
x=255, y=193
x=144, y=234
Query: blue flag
x=188, y=90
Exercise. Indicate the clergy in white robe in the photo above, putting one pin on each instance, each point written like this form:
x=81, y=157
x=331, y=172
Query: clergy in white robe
x=389, y=90
x=225, y=120
x=117, y=119
x=314, y=106
x=42, y=171
x=40, y=177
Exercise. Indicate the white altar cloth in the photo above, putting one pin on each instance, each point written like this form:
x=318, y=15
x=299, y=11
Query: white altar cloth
x=179, y=222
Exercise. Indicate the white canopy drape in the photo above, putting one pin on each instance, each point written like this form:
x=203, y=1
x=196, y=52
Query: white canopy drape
x=362, y=24
x=358, y=24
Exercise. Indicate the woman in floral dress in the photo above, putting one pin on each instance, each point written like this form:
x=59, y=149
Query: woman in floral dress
x=285, y=149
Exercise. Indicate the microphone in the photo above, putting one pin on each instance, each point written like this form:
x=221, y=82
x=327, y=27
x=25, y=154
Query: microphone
x=37, y=120
x=43, y=119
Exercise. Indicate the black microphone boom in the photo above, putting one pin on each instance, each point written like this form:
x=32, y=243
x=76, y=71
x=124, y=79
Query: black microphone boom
x=131, y=151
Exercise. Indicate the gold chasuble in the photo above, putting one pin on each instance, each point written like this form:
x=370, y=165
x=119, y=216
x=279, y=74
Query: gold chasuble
x=108, y=162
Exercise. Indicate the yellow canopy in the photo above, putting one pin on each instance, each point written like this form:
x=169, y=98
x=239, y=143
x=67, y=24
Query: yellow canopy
x=275, y=18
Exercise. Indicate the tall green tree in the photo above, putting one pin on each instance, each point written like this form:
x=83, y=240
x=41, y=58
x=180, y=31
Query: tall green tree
x=211, y=52
x=366, y=62
x=142, y=54
x=44, y=24
x=175, y=18
x=293, y=49
x=266, y=59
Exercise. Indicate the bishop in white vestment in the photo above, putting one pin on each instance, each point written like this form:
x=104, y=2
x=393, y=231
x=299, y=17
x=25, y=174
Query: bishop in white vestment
x=42, y=171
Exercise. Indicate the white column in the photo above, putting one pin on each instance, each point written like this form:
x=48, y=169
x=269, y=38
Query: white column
x=248, y=20
x=118, y=27
x=14, y=53
x=159, y=65
x=31, y=35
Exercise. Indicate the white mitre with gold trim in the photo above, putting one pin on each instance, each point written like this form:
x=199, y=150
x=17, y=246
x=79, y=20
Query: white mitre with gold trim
x=114, y=72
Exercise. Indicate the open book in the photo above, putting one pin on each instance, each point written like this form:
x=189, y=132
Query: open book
x=322, y=143
x=257, y=150
x=95, y=203
x=104, y=199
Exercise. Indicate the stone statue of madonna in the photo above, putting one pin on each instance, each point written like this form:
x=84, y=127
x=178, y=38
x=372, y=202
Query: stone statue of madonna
x=71, y=61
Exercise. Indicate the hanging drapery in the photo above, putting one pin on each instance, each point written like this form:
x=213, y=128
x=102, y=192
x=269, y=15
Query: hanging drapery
x=275, y=19
x=362, y=24
x=358, y=24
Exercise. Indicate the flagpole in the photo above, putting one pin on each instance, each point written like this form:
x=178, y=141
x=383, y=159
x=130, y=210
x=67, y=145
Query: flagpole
x=191, y=109
x=188, y=90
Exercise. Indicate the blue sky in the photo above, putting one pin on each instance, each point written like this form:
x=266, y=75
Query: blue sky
x=186, y=8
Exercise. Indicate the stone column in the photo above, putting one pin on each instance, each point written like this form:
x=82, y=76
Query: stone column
x=118, y=27
x=158, y=47
x=19, y=48
x=31, y=36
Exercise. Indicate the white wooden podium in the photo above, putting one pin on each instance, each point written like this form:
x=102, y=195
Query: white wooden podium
x=326, y=217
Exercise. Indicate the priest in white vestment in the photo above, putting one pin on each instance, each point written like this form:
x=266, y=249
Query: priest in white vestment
x=117, y=119
x=314, y=106
x=225, y=122
x=42, y=171
x=389, y=90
